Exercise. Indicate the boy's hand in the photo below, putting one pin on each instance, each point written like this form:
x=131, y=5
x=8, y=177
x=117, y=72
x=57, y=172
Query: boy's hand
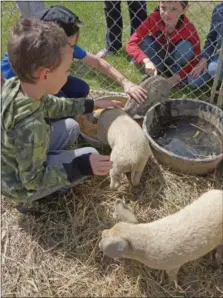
x=100, y=164
x=135, y=92
x=150, y=68
x=199, y=68
x=109, y=103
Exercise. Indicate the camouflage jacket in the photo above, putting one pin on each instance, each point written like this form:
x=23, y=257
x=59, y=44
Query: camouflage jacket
x=26, y=137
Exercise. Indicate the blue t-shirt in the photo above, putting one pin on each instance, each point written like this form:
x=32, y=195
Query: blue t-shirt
x=215, y=36
x=79, y=53
x=8, y=72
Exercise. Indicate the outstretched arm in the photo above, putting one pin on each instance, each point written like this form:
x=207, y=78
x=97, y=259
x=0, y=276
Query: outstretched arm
x=134, y=91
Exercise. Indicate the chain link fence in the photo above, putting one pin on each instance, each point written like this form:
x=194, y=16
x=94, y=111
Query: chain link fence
x=92, y=39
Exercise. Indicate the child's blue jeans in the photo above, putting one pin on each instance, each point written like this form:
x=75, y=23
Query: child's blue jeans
x=206, y=76
x=174, y=61
x=74, y=88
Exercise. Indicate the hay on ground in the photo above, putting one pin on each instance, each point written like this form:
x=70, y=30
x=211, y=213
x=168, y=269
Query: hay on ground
x=58, y=254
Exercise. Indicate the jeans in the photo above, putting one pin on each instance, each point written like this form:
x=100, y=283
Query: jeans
x=174, y=61
x=114, y=23
x=205, y=77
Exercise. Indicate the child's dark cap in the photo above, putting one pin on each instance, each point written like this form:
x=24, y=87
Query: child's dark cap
x=61, y=15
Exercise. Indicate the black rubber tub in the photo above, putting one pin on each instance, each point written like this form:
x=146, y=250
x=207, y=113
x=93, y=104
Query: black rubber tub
x=186, y=135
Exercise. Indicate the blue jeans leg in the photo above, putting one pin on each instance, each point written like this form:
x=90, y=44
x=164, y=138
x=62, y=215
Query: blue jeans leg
x=154, y=51
x=201, y=81
x=180, y=56
x=204, y=78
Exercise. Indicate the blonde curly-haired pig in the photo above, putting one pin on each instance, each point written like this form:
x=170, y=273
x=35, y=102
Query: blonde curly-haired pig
x=130, y=147
x=169, y=242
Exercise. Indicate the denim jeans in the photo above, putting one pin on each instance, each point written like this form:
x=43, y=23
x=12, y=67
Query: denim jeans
x=174, y=61
x=205, y=77
x=211, y=49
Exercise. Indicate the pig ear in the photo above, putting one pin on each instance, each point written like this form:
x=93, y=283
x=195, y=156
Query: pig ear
x=114, y=247
x=124, y=213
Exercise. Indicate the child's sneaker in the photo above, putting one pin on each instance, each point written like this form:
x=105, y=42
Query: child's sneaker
x=132, y=61
x=105, y=52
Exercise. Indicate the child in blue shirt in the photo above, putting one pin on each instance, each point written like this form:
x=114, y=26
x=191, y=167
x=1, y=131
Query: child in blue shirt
x=205, y=70
x=75, y=87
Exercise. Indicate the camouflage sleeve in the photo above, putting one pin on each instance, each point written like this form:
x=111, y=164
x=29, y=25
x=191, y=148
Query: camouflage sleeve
x=31, y=146
x=56, y=107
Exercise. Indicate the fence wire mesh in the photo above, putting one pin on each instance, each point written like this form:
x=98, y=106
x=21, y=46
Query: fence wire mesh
x=92, y=39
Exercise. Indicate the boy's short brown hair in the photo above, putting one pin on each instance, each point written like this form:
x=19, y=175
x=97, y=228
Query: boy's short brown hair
x=184, y=4
x=35, y=44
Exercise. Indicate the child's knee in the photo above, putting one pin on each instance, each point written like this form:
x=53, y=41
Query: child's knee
x=183, y=52
x=147, y=45
x=73, y=128
x=212, y=68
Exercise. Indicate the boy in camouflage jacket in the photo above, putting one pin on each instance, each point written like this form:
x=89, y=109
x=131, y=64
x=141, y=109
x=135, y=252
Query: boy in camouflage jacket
x=35, y=157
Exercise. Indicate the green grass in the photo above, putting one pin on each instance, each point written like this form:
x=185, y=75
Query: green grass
x=92, y=37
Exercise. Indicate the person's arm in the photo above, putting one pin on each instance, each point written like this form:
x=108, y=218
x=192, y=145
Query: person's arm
x=137, y=37
x=105, y=67
x=134, y=91
x=211, y=39
x=137, y=92
x=209, y=46
x=133, y=48
x=31, y=147
x=55, y=107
